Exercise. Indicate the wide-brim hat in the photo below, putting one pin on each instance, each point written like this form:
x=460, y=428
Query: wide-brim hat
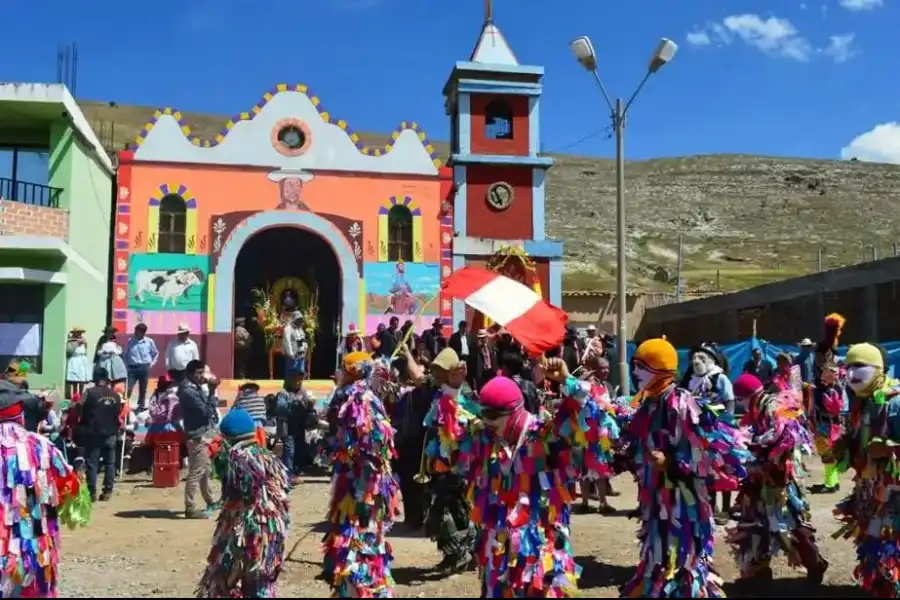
x=183, y=328
x=482, y=333
x=78, y=328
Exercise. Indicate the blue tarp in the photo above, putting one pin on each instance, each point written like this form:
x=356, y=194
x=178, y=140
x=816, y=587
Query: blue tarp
x=739, y=353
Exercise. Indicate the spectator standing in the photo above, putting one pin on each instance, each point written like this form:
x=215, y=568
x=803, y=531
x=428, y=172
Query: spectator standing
x=98, y=432
x=141, y=355
x=180, y=352
x=199, y=410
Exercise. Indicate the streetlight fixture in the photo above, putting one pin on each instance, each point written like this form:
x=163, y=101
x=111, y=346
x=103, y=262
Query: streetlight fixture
x=584, y=52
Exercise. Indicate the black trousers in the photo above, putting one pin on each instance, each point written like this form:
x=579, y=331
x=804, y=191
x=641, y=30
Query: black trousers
x=94, y=451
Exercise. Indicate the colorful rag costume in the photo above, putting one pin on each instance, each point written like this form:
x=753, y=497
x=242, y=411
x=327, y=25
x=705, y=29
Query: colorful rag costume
x=364, y=496
x=448, y=441
x=684, y=447
x=774, y=515
x=522, y=472
x=829, y=401
x=871, y=514
x=39, y=491
x=247, y=553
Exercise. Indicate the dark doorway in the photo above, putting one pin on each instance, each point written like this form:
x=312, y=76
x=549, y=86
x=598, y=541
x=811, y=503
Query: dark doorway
x=281, y=252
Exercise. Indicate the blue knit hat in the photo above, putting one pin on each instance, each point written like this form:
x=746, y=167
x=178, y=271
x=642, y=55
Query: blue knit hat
x=237, y=425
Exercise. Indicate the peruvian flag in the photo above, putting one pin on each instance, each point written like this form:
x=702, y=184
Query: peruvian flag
x=533, y=322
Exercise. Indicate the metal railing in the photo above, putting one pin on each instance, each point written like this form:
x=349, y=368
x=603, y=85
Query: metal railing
x=29, y=193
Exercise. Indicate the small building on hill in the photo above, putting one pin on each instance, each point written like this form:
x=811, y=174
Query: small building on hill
x=288, y=209
x=55, y=215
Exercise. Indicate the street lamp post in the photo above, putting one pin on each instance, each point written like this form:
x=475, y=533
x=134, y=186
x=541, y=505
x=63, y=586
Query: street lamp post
x=584, y=52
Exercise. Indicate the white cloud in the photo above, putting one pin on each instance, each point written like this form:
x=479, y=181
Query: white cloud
x=840, y=47
x=698, y=38
x=857, y=5
x=880, y=144
x=773, y=36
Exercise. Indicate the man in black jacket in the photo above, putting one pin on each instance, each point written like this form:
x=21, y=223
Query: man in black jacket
x=514, y=368
x=98, y=430
x=199, y=410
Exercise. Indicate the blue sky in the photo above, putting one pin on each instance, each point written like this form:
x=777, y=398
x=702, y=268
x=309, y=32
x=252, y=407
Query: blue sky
x=784, y=78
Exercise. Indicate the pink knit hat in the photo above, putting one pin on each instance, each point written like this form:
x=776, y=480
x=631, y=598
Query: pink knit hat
x=746, y=385
x=500, y=393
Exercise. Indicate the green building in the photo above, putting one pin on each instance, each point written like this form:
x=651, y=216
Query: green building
x=56, y=189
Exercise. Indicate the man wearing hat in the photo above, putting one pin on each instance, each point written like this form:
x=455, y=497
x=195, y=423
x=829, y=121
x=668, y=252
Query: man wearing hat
x=447, y=441
x=180, y=352
x=434, y=338
x=98, y=432
x=483, y=363
x=805, y=359
x=294, y=344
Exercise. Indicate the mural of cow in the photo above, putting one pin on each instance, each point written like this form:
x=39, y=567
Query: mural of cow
x=168, y=285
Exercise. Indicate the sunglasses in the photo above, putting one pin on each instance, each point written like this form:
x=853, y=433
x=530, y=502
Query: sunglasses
x=492, y=414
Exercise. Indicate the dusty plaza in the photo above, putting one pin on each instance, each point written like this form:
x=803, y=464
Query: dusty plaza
x=139, y=545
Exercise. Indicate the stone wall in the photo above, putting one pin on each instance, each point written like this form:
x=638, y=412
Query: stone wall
x=17, y=218
x=600, y=308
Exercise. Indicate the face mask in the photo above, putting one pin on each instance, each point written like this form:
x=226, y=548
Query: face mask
x=860, y=376
x=701, y=364
x=643, y=377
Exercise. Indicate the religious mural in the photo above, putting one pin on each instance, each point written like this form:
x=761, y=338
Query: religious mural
x=173, y=282
x=402, y=289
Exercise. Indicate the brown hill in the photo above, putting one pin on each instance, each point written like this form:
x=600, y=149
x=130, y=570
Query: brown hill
x=744, y=220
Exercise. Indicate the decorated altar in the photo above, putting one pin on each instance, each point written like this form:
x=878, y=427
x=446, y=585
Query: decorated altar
x=512, y=262
x=274, y=306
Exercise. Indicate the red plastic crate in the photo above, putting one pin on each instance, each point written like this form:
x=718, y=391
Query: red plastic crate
x=167, y=454
x=165, y=476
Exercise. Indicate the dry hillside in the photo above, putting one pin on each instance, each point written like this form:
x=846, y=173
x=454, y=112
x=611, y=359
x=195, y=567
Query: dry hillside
x=744, y=219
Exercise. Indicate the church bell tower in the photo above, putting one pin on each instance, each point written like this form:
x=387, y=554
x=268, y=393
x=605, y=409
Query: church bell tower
x=494, y=105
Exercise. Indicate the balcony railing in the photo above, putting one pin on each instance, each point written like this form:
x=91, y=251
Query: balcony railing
x=29, y=193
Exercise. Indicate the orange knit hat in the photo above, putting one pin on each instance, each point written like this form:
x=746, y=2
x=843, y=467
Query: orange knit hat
x=658, y=354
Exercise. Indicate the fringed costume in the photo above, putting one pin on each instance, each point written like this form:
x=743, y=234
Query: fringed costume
x=684, y=448
x=871, y=514
x=247, y=554
x=522, y=471
x=774, y=515
x=39, y=492
x=448, y=427
x=829, y=401
x=364, y=494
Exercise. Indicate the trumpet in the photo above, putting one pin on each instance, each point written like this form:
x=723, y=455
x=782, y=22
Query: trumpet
x=423, y=476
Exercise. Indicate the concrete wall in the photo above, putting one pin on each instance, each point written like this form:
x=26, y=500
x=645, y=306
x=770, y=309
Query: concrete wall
x=86, y=198
x=599, y=308
x=788, y=311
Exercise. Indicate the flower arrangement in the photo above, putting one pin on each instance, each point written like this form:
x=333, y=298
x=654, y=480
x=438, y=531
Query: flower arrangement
x=309, y=306
x=265, y=308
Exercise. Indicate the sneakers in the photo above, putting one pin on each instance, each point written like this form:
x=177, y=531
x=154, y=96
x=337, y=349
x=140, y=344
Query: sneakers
x=196, y=515
x=821, y=488
x=105, y=496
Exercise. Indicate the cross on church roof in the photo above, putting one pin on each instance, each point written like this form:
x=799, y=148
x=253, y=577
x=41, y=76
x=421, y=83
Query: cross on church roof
x=492, y=48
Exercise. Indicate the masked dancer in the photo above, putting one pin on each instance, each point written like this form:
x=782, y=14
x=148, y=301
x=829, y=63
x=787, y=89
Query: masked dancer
x=364, y=494
x=871, y=514
x=830, y=402
x=684, y=448
x=774, y=515
x=247, y=555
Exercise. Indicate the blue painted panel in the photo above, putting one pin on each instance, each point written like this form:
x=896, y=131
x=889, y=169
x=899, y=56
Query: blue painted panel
x=499, y=87
x=538, y=202
x=556, y=271
x=464, y=65
x=459, y=203
x=170, y=282
x=544, y=248
x=464, y=123
x=501, y=159
x=534, y=125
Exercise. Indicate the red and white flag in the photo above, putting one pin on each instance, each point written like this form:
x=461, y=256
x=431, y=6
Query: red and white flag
x=532, y=321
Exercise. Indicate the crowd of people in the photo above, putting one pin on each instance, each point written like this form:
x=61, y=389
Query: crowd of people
x=485, y=445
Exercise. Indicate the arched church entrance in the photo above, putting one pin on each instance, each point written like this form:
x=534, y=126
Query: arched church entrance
x=298, y=270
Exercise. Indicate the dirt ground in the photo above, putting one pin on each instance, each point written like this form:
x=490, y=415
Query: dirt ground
x=140, y=546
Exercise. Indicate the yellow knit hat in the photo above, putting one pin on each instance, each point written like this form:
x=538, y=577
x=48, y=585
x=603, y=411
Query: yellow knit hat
x=864, y=354
x=658, y=354
x=354, y=358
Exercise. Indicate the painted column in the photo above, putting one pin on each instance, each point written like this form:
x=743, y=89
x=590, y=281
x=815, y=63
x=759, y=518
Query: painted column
x=122, y=241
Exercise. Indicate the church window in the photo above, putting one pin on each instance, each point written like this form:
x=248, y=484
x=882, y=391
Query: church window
x=172, y=225
x=498, y=121
x=400, y=234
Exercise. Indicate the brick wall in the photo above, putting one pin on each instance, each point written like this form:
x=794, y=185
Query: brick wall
x=17, y=218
